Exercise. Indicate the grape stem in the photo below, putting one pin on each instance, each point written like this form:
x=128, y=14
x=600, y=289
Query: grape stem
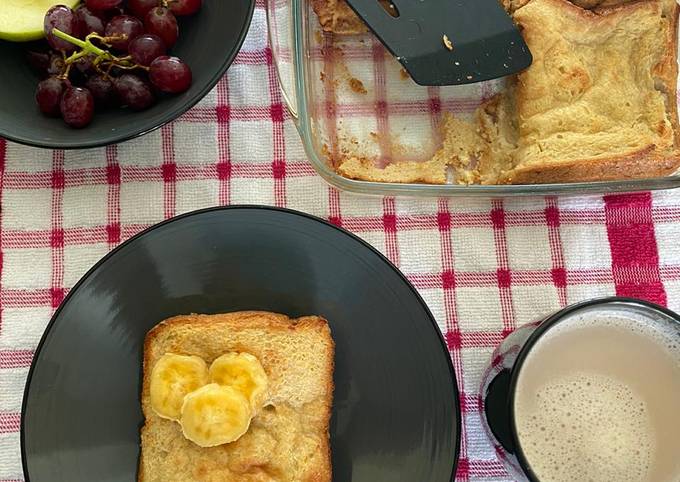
x=86, y=45
x=102, y=56
x=76, y=56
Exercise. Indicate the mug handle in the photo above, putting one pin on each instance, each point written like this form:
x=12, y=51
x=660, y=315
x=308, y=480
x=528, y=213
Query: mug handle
x=497, y=410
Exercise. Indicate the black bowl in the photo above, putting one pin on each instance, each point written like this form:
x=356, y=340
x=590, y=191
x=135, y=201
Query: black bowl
x=395, y=411
x=208, y=42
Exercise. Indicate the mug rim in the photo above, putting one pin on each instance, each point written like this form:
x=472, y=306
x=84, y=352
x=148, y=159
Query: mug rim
x=533, y=338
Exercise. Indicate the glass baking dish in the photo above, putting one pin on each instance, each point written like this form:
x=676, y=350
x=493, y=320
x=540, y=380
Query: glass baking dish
x=347, y=94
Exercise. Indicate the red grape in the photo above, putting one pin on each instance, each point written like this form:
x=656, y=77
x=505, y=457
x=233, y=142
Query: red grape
x=77, y=107
x=57, y=64
x=134, y=92
x=48, y=95
x=89, y=22
x=39, y=62
x=125, y=26
x=82, y=69
x=185, y=7
x=85, y=64
x=140, y=8
x=144, y=29
x=62, y=18
x=102, y=4
x=107, y=15
x=146, y=48
x=160, y=21
x=102, y=90
x=170, y=74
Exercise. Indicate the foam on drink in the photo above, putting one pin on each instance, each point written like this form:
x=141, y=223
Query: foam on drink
x=598, y=399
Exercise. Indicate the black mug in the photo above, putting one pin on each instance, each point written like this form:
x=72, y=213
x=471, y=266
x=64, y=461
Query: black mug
x=499, y=381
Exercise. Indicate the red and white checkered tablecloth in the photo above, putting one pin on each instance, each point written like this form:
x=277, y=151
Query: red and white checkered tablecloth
x=483, y=266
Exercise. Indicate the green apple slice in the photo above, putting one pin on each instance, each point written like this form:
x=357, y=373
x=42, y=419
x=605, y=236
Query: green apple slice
x=22, y=20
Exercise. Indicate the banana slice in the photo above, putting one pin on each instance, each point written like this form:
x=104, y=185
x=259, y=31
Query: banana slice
x=243, y=372
x=215, y=415
x=172, y=378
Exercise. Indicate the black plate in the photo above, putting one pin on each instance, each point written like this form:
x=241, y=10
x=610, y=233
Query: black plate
x=208, y=42
x=395, y=413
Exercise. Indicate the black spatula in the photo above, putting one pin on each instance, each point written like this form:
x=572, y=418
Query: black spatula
x=447, y=42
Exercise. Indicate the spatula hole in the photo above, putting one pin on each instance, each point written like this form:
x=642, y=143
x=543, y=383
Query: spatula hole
x=389, y=7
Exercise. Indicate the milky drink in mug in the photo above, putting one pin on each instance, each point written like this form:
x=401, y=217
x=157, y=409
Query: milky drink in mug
x=593, y=394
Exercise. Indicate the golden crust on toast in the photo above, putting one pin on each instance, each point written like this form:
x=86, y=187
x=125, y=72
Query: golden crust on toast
x=288, y=440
